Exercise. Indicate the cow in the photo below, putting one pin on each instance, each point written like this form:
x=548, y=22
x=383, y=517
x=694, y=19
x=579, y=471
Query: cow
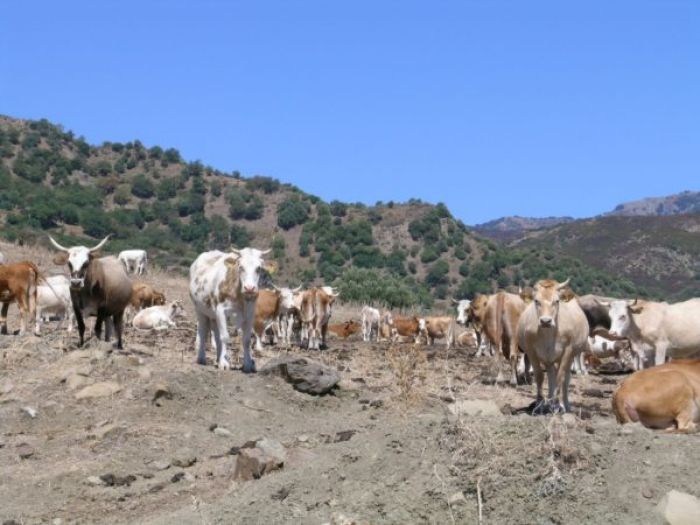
x=664, y=397
x=53, y=298
x=657, y=330
x=18, y=282
x=223, y=284
x=267, y=310
x=345, y=329
x=498, y=317
x=467, y=338
x=596, y=310
x=438, y=328
x=286, y=313
x=370, y=323
x=406, y=327
x=552, y=332
x=99, y=286
x=462, y=310
x=473, y=315
x=134, y=261
x=159, y=317
x=315, y=311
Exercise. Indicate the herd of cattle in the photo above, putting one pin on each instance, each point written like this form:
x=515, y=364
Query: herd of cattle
x=546, y=329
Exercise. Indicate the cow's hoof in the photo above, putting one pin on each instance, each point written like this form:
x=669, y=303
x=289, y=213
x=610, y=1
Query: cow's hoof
x=250, y=369
x=555, y=407
x=539, y=408
x=202, y=361
x=224, y=365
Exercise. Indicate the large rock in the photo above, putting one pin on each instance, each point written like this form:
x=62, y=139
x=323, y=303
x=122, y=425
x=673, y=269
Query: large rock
x=304, y=374
x=679, y=508
x=104, y=389
x=254, y=462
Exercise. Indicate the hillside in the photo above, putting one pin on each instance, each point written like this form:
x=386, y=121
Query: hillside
x=658, y=253
x=403, y=255
x=679, y=203
x=506, y=229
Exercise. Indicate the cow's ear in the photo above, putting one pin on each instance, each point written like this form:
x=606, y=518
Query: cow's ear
x=271, y=268
x=231, y=262
x=94, y=255
x=60, y=259
x=636, y=309
x=566, y=294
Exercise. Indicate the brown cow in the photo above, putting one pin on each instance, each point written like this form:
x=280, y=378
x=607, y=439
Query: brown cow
x=144, y=295
x=345, y=329
x=18, y=282
x=406, y=327
x=315, y=312
x=266, y=311
x=666, y=396
x=498, y=316
x=437, y=328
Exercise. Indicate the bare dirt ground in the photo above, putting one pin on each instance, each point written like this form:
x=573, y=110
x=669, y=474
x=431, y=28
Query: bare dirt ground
x=387, y=447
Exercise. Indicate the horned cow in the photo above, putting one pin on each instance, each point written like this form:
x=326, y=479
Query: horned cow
x=99, y=287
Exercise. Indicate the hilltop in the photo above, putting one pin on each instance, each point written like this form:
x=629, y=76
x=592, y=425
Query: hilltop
x=506, y=229
x=399, y=254
x=676, y=204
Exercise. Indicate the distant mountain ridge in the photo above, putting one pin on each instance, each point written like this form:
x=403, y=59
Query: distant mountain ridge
x=676, y=204
x=506, y=229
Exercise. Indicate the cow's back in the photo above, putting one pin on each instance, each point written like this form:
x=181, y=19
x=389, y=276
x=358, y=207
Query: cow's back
x=206, y=274
x=680, y=325
x=117, y=284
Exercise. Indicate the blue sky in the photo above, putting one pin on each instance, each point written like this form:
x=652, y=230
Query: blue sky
x=495, y=108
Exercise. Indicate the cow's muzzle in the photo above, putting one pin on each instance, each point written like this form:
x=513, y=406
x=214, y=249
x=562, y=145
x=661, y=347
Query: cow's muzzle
x=76, y=283
x=546, y=322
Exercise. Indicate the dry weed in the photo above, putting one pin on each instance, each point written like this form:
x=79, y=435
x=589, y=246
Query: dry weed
x=408, y=365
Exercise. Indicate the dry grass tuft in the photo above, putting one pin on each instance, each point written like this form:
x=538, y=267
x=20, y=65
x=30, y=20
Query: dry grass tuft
x=408, y=365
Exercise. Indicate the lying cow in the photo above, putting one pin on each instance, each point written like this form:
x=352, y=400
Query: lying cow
x=657, y=330
x=53, y=299
x=438, y=328
x=345, y=329
x=18, y=282
x=158, y=317
x=370, y=323
x=666, y=397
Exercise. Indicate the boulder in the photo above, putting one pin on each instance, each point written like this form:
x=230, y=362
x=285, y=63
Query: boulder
x=679, y=508
x=266, y=456
x=184, y=458
x=104, y=389
x=303, y=374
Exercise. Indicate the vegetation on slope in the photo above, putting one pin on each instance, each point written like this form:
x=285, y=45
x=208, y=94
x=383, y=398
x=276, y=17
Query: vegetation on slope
x=401, y=255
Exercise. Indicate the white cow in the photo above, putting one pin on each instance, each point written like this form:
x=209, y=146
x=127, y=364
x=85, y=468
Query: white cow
x=53, y=299
x=286, y=311
x=462, y=310
x=158, y=317
x=134, y=261
x=657, y=330
x=370, y=323
x=222, y=285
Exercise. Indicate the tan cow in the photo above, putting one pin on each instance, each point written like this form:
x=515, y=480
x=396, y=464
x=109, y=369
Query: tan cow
x=498, y=317
x=345, y=329
x=144, y=295
x=552, y=332
x=266, y=312
x=666, y=396
x=315, y=311
x=18, y=282
x=439, y=328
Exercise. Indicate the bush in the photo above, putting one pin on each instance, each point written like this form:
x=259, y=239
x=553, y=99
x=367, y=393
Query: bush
x=190, y=203
x=438, y=274
x=240, y=236
x=338, y=209
x=167, y=189
x=267, y=185
x=142, y=187
x=122, y=195
x=292, y=212
x=278, y=246
x=429, y=254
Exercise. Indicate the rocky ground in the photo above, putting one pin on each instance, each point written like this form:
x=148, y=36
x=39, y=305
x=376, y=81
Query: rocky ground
x=95, y=435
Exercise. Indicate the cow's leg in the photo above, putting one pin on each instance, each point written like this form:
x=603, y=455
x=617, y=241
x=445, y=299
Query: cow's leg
x=224, y=338
x=514, y=359
x=118, y=320
x=22, y=305
x=539, y=380
x=203, y=331
x=247, y=320
x=660, y=356
x=3, y=318
x=324, y=333
x=81, y=323
x=552, y=386
x=564, y=378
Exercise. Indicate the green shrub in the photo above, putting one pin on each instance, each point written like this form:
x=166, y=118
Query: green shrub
x=292, y=212
x=142, y=187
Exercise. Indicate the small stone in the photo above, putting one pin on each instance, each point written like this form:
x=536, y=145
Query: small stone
x=344, y=435
x=160, y=465
x=647, y=492
x=75, y=381
x=223, y=432
x=184, y=458
x=162, y=391
x=31, y=412
x=104, y=389
x=57, y=521
x=178, y=477
x=679, y=508
x=134, y=360
x=25, y=450
x=267, y=455
x=303, y=438
x=156, y=488
x=590, y=430
x=189, y=477
x=457, y=498
x=94, y=480
x=377, y=403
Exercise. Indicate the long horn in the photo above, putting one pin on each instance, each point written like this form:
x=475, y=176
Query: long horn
x=632, y=303
x=101, y=244
x=564, y=284
x=235, y=251
x=455, y=301
x=297, y=289
x=62, y=248
x=265, y=252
